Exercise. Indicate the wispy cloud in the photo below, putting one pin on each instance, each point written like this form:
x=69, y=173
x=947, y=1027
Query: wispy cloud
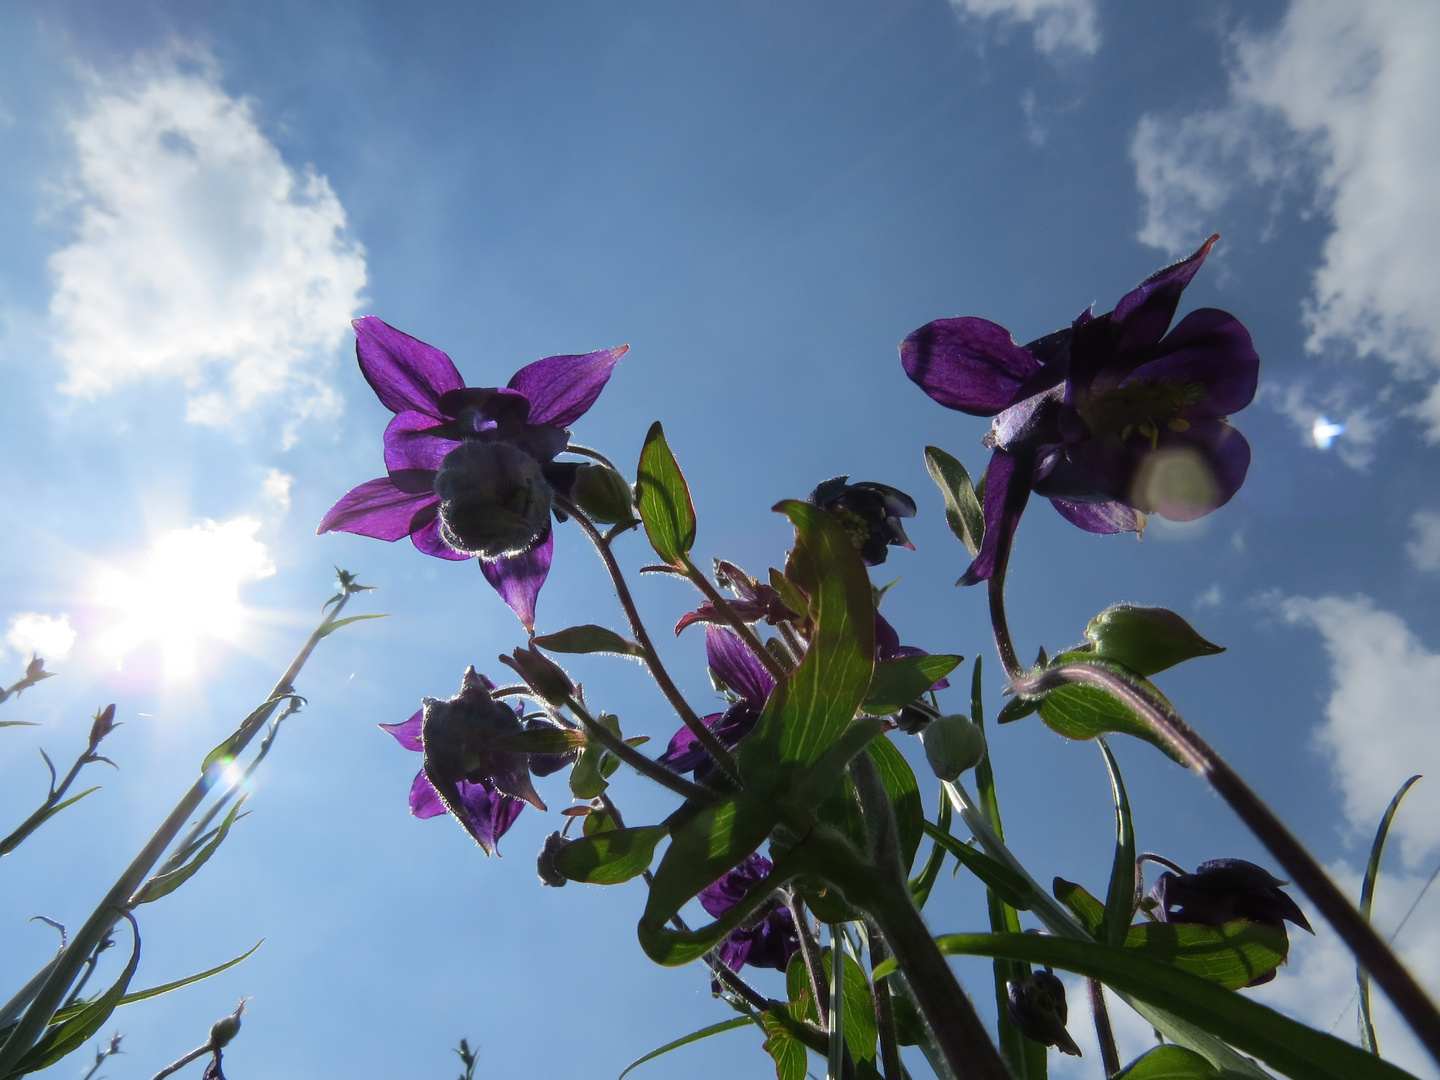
x=1342, y=94
x=1058, y=25
x=1424, y=550
x=200, y=254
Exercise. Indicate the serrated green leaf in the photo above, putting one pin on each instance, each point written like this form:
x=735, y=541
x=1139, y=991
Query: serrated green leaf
x=663, y=499
x=610, y=857
x=963, y=512
x=329, y=628
x=1146, y=639
x=1170, y=1063
x=1079, y=711
x=1296, y=1050
x=693, y=1037
x=587, y=639
x=904, y=791
x=1013, y=889
x=901, y=679
x=164, y=884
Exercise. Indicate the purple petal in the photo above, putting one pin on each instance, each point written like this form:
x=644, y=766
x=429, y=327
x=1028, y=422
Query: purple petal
x=736, y=666
x=562, y=388
x=685, y=751
x=424, y=801
x=968, y=364
x=1100, y=517
x=485, y=407
x=1143, y=314
x=407, y=732
x=517, y=578
x=411, y=443
x=488, y=814
x=1211, y=349
x=379, y=509
x=1007, y=490
x=404, y=372
x=1184, y=476
x=427, y=539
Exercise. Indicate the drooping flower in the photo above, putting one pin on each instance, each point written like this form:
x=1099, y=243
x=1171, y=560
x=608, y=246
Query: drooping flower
x=1037, y=1009
x=869, y=513
x=470, y=471
x=754, y=601
x=1223, y=890
x=1110, y=418
x=735, y=666
x=462, y=773
x=767, y=938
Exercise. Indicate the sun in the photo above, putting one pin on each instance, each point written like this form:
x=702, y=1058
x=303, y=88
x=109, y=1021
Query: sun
x=186, y=591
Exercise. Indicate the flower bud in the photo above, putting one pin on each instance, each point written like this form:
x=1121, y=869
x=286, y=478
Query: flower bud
x=952, y=745
x=545, y=864
x=225, y=1029
x=541, y=674
x=1037, y=1009
x=494, y=499
x=603, y=494
x=104, y=724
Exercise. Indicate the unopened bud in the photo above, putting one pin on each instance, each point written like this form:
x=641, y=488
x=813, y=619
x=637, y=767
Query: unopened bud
x=541, y=674
x=104, y=724
x=224, y=1029
x=1037, y=1009
x=952, y=745
x=603, y=494
x=545, y=864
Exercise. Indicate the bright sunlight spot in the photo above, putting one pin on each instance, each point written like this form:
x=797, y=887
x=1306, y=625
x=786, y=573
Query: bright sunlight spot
x=187, y=590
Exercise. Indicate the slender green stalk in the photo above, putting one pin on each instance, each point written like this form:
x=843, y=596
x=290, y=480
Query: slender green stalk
x=836, y=1060
x=647, y=768
x=1367, y=901
x=1109, y=1056
x=884, y=1010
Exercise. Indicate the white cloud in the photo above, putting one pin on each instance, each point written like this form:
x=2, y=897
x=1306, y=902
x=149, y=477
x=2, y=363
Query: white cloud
x=1381, y=725
x=1424, y=550
x=275, y=489
x=1058, y=24
x=1330, y=421
x=1345, y=92
x=46, y=636
x=200, y=254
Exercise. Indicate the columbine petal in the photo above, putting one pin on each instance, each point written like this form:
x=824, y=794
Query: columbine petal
x=736, y=666
x=968, y=364
x=407, y=733
x=1101, y=517
x=561, y=389
x=413, y=441
x=517, y=578
x=404, y=372
x=427, y=539
x=1143, y=314
x=424, y=802
x=1007, y=490
x=487, y=815
x=379, y=509
x=1209, y=349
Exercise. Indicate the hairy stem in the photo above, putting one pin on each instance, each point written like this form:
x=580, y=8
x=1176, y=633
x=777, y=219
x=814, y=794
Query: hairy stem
x=739, y=625
x=1109, y=1056
x=647, y=768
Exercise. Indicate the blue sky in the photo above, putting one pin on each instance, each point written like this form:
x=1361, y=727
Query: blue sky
x=762, y=200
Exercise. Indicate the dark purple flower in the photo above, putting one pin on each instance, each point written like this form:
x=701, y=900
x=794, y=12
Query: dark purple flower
x=1223, y=890
x=462, y=774
x=1037, y=1009
x=736, y=667
x=870, y=514
x=754, y=601
x=470, y=470
x=767, y=938
x=1111, y=418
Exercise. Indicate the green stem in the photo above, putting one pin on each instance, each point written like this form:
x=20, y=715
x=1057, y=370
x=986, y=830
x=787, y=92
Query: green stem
x=739, y=625
x=652, y=770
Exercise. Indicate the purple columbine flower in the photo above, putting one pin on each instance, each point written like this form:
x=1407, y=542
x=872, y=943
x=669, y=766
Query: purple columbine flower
x=735, y=666
x=754, y=600
x=869, y=513
x=471, y=471
x=461, y=774
x=1111, y=418
x=1223, y=890
x=767, y=938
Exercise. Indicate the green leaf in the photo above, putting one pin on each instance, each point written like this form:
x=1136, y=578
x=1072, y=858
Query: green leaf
x=587, y=639
x=1367, y=899
x=1082, y=712
x=18, y=723
x=164, y=884
x=1087, y=910
x=587, y=780
x=904, y=791
x=858, y=1014
x=693, y=1037
x=1170, y=1063
x=922, y=883
x=1013, y=889
x=790, y=596
x=329, y=628
x=1232, y=955
x=900, y=680
x=1146, y=639
x=664, y=500
x=810, y=709
x=163, y=988
x=1296, y=1050
x=1017, y=709
x=610, y=857
x=708, y=845
x=1120, y=899
x=820, y=781
x=784, y=1049
x=963, y=511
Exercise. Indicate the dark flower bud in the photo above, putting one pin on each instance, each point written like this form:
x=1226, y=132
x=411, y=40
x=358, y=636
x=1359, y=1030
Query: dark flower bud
x=494, y=499
x=103, y=725
x=952, y=745
x=603, y=494
x=545, y=864
x=1037, y=1009
x=870, y=514
x=541, y=674
x=35, y=670
x=457, y=736
x=225, y=1029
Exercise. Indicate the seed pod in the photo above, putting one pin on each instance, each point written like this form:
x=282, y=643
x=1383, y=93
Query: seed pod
x=603, y=494
x=952, y=745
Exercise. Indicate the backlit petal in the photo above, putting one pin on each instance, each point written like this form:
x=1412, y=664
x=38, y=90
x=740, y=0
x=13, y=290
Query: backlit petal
x=404, y=372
